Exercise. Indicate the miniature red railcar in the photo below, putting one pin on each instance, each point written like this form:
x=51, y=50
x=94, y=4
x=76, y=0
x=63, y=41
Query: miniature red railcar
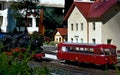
x=98, y=54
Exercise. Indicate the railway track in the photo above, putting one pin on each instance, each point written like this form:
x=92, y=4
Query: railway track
x=82, y=69
x=68, y=69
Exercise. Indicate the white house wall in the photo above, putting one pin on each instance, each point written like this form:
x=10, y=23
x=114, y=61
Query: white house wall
x=95, y=34
x=77, y=17
x=33, y=28
x=4, y=18
x=57, y=37
x=3, y=13
x=111, y=30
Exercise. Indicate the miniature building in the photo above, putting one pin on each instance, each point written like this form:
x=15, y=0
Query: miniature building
x=60, y=35
x=94, y=22
x=8, y=23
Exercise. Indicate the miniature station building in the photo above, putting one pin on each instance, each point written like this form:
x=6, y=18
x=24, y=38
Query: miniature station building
x=94, y=22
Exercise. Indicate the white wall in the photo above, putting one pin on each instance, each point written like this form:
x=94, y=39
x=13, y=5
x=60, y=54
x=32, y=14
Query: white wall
x=95, y=34
x=77, y=17
x=52, y=2
x=111, y=30
x=4, y=23
x=57, y=37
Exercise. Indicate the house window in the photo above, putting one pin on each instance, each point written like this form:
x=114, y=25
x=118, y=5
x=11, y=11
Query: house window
x=81, y=40
x=60, y=40
x=109, y=41
x=56, y=39
x=94, y=41
x=71, y=39
x=81, y=26
x=77, y=40
x=37, y=22
x=71, y=27
x=29, y=22
x=93, y=26
x=76, y=26
x=1, y=20
x=21, y=22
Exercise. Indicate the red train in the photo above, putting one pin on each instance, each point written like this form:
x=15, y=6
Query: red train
x=98, y=54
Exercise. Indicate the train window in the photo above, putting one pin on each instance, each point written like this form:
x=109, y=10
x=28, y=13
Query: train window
x=64, y=49
x=102, y=51
x=81, y=49
x=107, y=51
x=86, y=50
x=113, y=51
x=77, y=49
x=91, y=50
x=71, y=49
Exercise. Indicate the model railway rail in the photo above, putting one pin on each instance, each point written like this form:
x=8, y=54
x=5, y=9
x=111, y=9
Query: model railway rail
x=76, y=70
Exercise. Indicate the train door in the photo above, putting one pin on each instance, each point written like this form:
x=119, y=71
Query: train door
x=59, y=53
x=99, y=57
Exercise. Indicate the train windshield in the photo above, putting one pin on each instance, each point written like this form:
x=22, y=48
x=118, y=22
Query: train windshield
x=108, y=51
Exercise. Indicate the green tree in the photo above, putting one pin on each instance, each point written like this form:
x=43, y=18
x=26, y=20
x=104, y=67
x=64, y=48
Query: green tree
x=26, y=7
x=53, y=18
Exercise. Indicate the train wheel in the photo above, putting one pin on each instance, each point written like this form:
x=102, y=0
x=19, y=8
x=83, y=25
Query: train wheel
x=104, y=67
x=67, y=61
x=61, y=61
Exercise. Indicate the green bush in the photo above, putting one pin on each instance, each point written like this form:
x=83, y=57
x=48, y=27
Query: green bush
x=52, y=43
x=12, y=65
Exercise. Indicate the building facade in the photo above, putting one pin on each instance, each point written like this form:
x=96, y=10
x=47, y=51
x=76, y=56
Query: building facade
x=60, y=35
x=8, y=23
x=94, y=22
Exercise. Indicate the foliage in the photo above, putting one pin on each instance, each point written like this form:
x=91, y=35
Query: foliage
x=23, y=8
x=53, y=18
x=52, y=43
x=12, y=65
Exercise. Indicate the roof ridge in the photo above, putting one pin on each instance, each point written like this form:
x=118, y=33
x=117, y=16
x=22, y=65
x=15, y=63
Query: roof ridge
x=91, y=9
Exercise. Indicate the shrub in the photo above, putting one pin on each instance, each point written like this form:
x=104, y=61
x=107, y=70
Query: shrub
x=12, y=65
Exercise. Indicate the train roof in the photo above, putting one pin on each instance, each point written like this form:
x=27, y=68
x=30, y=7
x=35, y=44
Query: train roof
x=87, y=44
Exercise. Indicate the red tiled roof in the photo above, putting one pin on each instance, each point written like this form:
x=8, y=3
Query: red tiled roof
x=83, y=7
x=62, y=31
x=92, y=9
x=99, y=8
